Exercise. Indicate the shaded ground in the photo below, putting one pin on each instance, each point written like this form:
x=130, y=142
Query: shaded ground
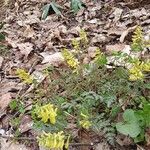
x=32, y=41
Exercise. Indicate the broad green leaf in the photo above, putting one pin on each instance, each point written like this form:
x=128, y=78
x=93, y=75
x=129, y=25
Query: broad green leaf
x=130, y=126
x=131, y=129
x=129, y=116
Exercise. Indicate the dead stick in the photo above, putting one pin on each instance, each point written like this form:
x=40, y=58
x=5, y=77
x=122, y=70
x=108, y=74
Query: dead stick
x=33, y=139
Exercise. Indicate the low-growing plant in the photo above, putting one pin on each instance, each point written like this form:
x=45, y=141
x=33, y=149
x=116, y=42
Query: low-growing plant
x=90, y=96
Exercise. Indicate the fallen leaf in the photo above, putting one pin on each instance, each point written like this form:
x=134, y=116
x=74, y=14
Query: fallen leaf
x=117, y=13
x=39, y=76
x=99, y=38
x=5, y=100
x=114, y=48
x=25, y=48
x=29, y=32
x=8, y=145
x=26, y=123
x=92, y=51
x=9, y=87
x=53, y=59
x=126, y=32
x=102, y=146
x=1, y=61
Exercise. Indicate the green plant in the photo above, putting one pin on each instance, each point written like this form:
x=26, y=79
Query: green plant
x=90, y=96
x=75, y=6
x=135, y=122
x=17, y=105
x=51, y=7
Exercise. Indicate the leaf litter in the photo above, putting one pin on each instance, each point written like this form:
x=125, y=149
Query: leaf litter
x=109, y=26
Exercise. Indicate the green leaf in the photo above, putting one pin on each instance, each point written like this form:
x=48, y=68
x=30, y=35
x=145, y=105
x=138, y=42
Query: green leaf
x=129, y=116
x=2, y=37
x=145, y=114
x=131, y=129
x=56, y=8
x=130, y=126
x=45, y=11
x=76, y=5
x=13, y=105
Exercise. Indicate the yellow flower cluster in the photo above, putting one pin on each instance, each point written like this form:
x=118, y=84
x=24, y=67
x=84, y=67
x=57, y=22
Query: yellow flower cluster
x=47, y=113
x=137, y=40
x=98, y=54
x=76, y=45
x=24, y=76
x=83, y=37
x=85, y=123
x=70, y=59
x=53, y=140
x=136, y=72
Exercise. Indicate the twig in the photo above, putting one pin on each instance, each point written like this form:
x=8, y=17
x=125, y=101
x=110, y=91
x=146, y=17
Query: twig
x=33, y=139
x=17, y=138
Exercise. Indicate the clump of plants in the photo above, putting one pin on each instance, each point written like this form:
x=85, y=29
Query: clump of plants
x=90, y=96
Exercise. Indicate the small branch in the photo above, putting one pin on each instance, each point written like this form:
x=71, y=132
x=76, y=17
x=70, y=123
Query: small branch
x=17, y=138
x=81, y=144
x=33, y=139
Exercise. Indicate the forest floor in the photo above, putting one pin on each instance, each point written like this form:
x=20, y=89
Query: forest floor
x=32, y=43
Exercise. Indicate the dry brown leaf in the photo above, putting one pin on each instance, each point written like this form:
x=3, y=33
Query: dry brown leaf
x=9, y=87
x=1, y=61
x=53, y=59
x=29, y=32
x=92, y=51
x=5, y=100
x=102, y=146
x=99, y=38
x=126, y=32
x=26, y=123
x=25, y=48
x=114, y=48
x=117, y=13
x=8, y=145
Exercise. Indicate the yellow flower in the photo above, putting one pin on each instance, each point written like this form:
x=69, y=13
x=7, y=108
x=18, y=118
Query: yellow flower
x=83, y=37
x=23, y=75
x=70, y=59
x=135, y=74
x=85, y=123
x=53, y=141
x=145, y=66
x=47, y=113
x=76, y=45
